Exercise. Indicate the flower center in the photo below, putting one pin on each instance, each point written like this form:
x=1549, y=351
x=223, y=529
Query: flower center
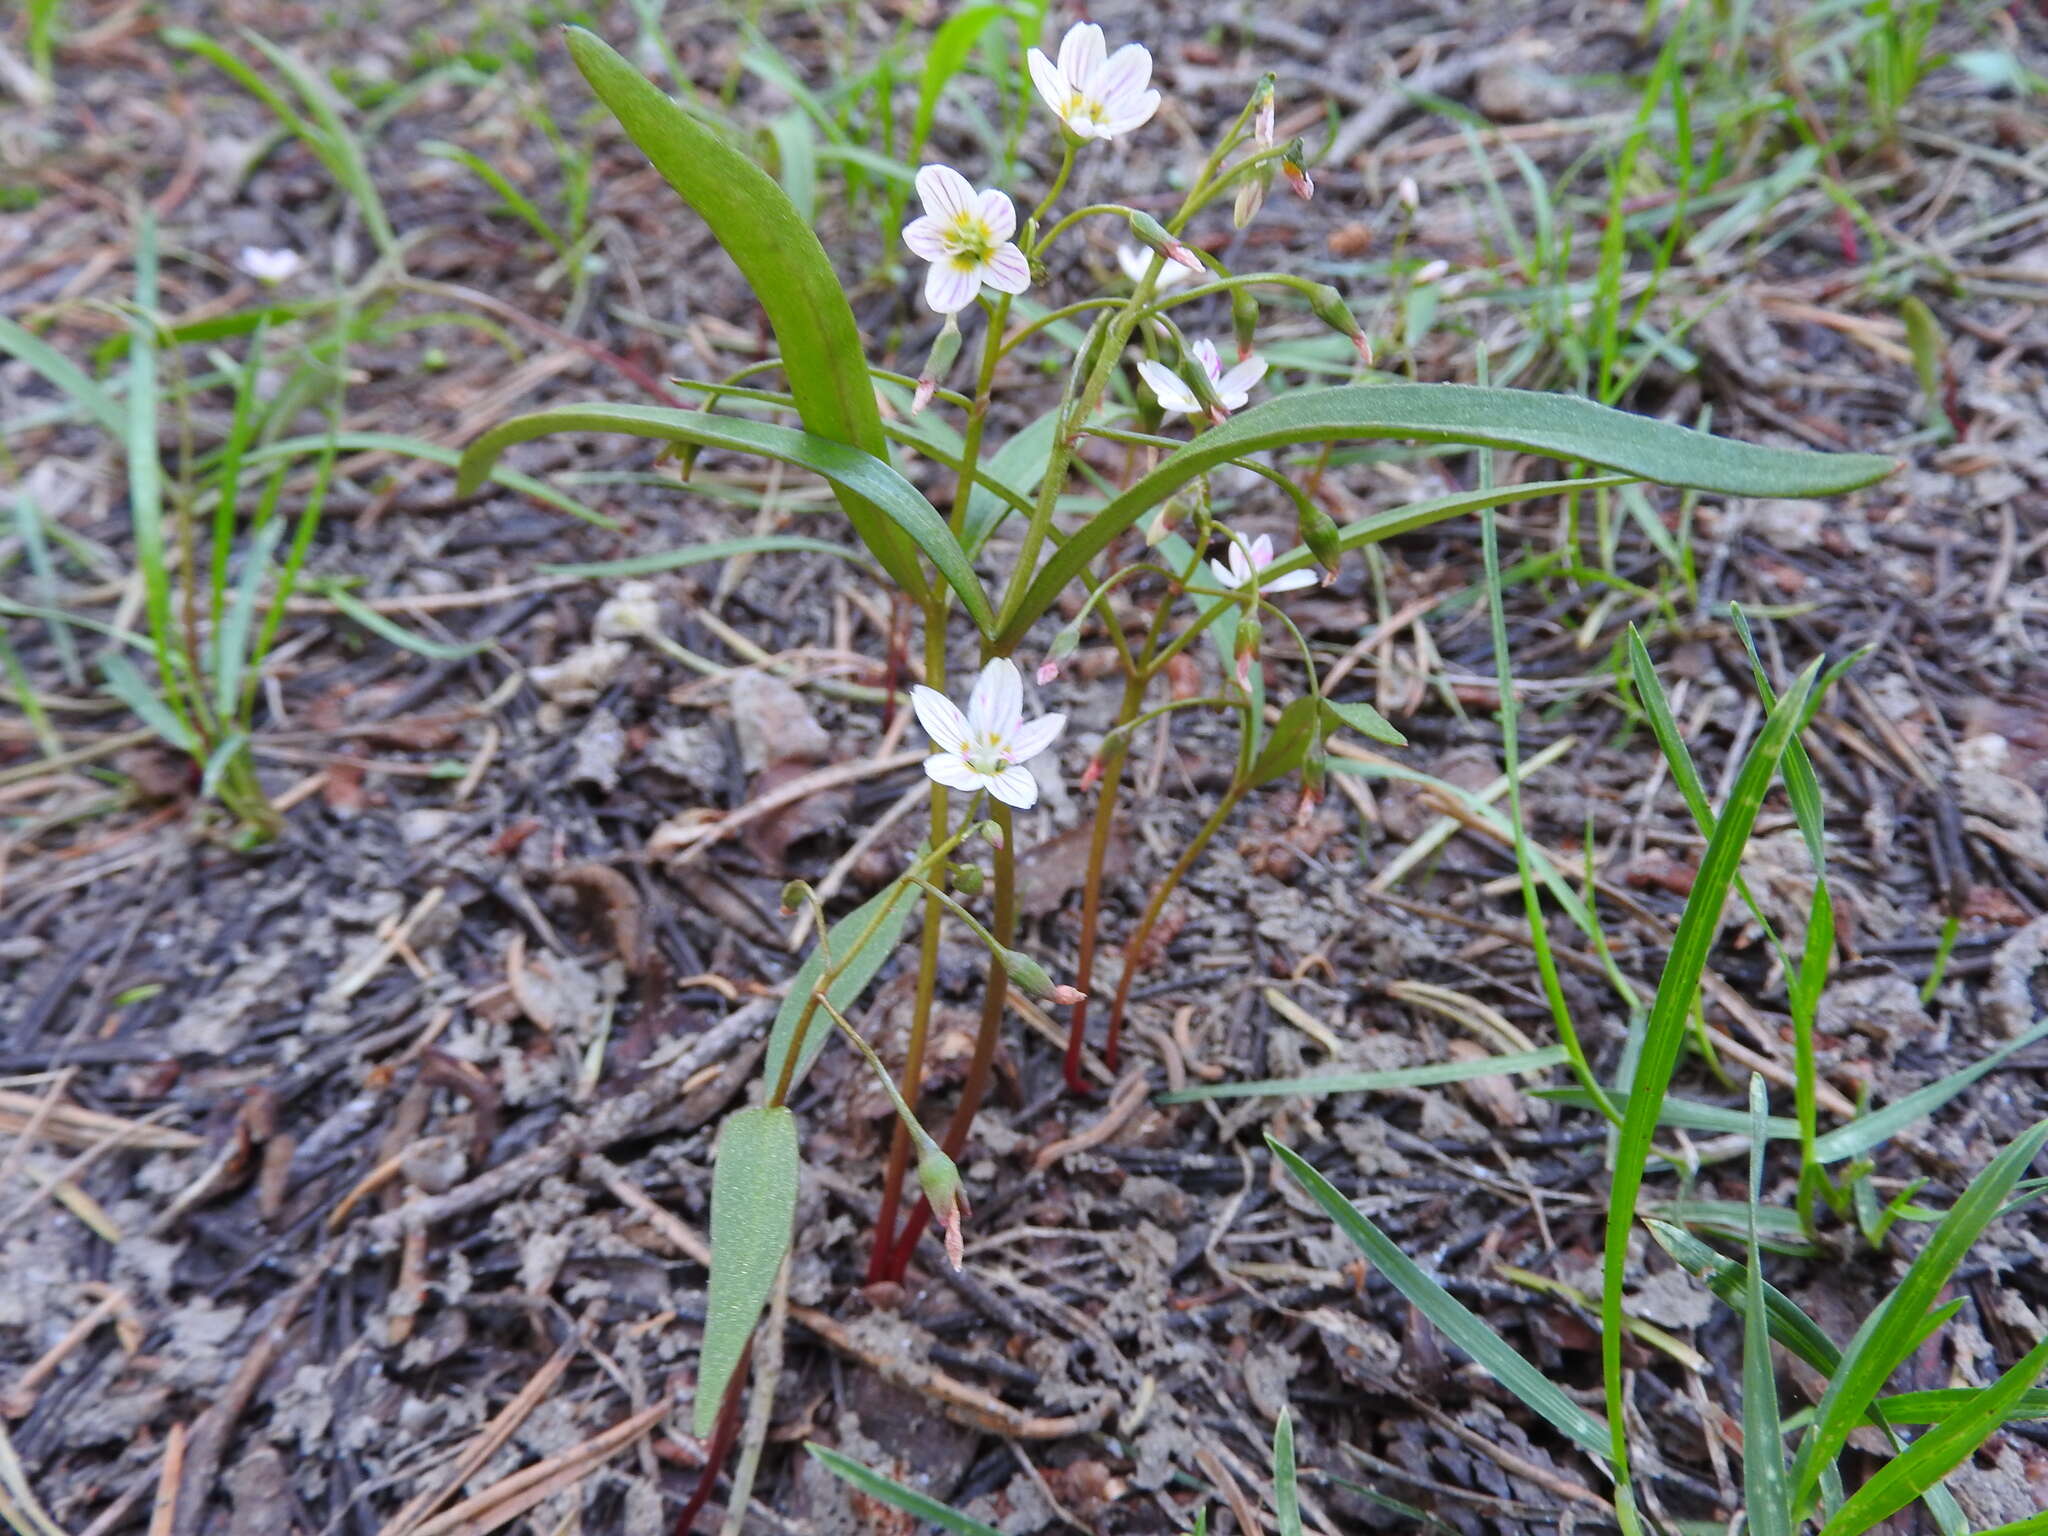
x=987, y=756
x=972, y=241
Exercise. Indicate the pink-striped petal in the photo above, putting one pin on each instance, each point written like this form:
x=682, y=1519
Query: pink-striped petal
x=1006, y=270
x=1015, y=786
x=1081, y=53
x=1124, y=73
x=945, y=192
x=1261, y=551
x=949, y=288
x=940, y=717
x=997, y=703
x=952, y=771
x=926, y=238
x=1034, y=736
x=1239, y=380
x=1173, y=394
x=998, y=213
x=1120, y=119
x=1052, y=85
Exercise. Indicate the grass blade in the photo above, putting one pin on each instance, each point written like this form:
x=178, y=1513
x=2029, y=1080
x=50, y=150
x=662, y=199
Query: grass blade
x=1374, y=1082
x=1286, y=1492
x=1888, y=1335
x=1665, y=1031
x=1763, y=1438
x=1450, y=1316
x=896, y=1496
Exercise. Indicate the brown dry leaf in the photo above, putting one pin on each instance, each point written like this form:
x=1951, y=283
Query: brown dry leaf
x=555, y=993
x=1496, y=1094
x=769, y=838
x=1048, y=872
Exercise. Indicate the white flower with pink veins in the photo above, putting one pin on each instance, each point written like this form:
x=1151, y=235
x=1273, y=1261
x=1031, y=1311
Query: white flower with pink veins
x=987, y=746
x=965, y=235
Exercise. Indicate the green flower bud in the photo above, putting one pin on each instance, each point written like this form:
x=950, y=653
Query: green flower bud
x=1244, y=320
x=945, y=347
x=1328, y=306
x=1319, y=532
x=967, y=879
x=939, y=1177
x=1251, y=196
x=796, y=894
x=1027, y=973
x=1154, y=236
x=990, y=832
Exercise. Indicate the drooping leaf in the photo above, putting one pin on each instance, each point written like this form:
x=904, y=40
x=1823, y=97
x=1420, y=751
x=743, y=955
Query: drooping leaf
x=782, y=261
x=1364, y=719
x=871, y=480
x=1557, y=426
x=1294, y=733
x=753, y=1210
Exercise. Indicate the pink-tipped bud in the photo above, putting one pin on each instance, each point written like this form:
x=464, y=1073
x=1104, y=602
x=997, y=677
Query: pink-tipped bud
x=1047, y=671
x=1244, y=669
x=1091, y=775
x=1262, y=118
x=1298, y=179
x=1067, y=996
x=1363, y=347
x=927, y=386
x=942, y=1190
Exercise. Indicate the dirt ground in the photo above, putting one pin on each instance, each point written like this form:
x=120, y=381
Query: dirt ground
x=383, y=1151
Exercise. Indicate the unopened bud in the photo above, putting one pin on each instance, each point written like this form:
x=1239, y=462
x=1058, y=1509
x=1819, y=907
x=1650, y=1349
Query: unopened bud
x=1407, y=194
x=1161, y=522
x=1251, y=196
x=1091, y=775
x=1154, y=236
x=1027, y=972
x=990, y=832
x=796, y=894
x=945, y=347
x=1067, y=996
x=1262, y=113
x=1247, y=648
x=940, y=1179
x=1064, y=644
x=1319, y=532
x=1431, y=271
x=1293, y=165
x=1329, y=307
x=967, y=879
x=1048, y=671
x=1244, y=320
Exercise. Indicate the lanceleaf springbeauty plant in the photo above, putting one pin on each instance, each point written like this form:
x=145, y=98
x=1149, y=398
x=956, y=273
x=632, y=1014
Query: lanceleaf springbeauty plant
x=1022, y=558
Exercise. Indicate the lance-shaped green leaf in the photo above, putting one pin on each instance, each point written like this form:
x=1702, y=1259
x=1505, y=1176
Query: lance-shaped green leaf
x=863, y=476
x=1296, y=730
x=859, y=953
x=753, y=1210
x=1556, y=426
x=1452, y=1318
x=893, y=1493
x=782, y=261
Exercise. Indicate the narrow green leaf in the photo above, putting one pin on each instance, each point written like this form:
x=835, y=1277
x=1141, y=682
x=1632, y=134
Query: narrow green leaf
x=1684, y=1114
x=1943, y=1403
x=2033, y=1525
x=859, y=960
x=377, y=624
x=1286, y=1493
x=949, y=50
x=1374, y=1082
x=1790, y=1325
x=1018, y=465
x=433, y=453
x=753, y=1211
x=1890, y=1333
x=127, y=685
x=1859, y=1136
x=16, y=340
x=1365, y=720
x=231, y=642
x=877, y=486
x=894, y=1494
x=1763, y=1439
x=1449, y=1315
x=1557, y=426
x=782, y=261
x=1665, y=1031
x=698, y=554
x=1938, y=1452
x=521, y=205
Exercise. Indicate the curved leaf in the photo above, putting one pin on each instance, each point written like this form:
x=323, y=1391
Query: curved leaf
x=782, y=261
x=893, y=1493
x=753, y=1211
x=855, y=474
x=1557, y=426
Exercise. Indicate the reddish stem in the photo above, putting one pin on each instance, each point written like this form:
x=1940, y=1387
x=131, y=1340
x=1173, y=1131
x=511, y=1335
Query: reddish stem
x=723, y=1434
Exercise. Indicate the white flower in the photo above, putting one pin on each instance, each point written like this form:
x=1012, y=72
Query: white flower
x=1232, y=388
x=1097, y=97
x=1248, y=560
x=269, y=266
x=987, y=747
x=1133, y=260
x=965, y=235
